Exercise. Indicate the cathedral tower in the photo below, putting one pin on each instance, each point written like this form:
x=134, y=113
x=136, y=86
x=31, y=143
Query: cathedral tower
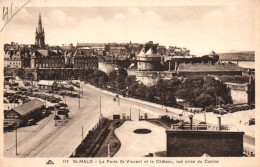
x=39, y=35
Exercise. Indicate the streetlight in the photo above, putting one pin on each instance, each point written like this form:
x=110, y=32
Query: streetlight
x=180, y=116
x=205, y=116
x=55, y=118
x=118, y=100
x=162, y=100
x=82, y=134
x=79, y=95
x=16, y=144
x=219, y=122
x=100, y=107
x=191, y=121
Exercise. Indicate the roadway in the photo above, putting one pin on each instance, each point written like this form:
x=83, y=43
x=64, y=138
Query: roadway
x=47, y=140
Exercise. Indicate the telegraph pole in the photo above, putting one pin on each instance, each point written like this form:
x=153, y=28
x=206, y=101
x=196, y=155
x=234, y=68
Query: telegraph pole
x=162, y=100
x=82, y=133
x=55, y=118
x=16, y=152
x=82, y=89
x=79, y=95
x=130, y=115
x=118, y=101
x=65, y=95
x=108, y=150
x=100, y=107
x=139, y=115
x=205, y=117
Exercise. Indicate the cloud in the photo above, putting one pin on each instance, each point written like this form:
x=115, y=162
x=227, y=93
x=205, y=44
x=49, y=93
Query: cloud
x=200, y=29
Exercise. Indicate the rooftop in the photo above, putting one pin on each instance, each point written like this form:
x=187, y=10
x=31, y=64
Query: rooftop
x=28, y=107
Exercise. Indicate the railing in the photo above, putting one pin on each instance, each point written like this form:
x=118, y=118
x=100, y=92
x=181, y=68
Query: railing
x=203, y=127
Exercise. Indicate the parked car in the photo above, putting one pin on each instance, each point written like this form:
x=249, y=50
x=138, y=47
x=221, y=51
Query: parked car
x=230, y=109
x=220, y=111
x=63, y=104
x=58, y=99
x=57, y=106
x=31, y=122
x=251, y=121
x=239, y=108
x=5, y=94
x=54, y=100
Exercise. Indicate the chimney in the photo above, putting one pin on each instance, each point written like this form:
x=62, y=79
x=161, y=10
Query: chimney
x=219, y=122
x=191, y=121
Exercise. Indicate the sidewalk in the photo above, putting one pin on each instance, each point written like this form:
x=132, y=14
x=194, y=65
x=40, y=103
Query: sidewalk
x=228, y=119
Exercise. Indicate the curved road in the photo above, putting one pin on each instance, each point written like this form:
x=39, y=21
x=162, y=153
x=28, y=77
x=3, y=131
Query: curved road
x=62, y=140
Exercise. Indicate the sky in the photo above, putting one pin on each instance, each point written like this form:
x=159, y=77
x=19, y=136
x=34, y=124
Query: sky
x=199, y=28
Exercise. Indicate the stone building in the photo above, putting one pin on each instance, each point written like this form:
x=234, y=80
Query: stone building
x=148, y=60
x=13, y=59
x=44, y=58
x=82, y=61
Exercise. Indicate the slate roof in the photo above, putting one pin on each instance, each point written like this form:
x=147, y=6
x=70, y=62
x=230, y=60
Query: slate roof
x=28, y=107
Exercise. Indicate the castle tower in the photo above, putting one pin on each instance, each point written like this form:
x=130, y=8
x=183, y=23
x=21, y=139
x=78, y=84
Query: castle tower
x=39, y=35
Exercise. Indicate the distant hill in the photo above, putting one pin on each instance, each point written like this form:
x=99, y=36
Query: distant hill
x=237, y=56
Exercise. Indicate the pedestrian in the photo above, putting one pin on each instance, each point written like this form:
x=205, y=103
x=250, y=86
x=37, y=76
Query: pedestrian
x=240, y=121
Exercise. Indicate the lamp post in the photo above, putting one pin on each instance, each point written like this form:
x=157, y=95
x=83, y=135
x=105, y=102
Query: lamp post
x=219, y=122
x=191, y=121
x=205, y=120
x=82, y=89
x=55, y=118
x=79, y=95
x=16, y=151
x=130, y=114
x=82, y=133
x=118, y=101
x=162, y=100
x=180, y=116
x=100, y=107
x=139, y=115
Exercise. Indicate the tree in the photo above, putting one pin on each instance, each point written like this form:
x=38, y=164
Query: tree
x=203, y=91
x=20, y=73
x=103, y=81
x=150, y=94
x=204, y=99
x=217, y=90
x=129, y=80
x=141, y=90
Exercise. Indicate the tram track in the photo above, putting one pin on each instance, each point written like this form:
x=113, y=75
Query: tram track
x=35, y=132
x=48, y=139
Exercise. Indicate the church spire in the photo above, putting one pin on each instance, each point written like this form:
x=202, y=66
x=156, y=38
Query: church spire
x=40, y=23
x=40, y=36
